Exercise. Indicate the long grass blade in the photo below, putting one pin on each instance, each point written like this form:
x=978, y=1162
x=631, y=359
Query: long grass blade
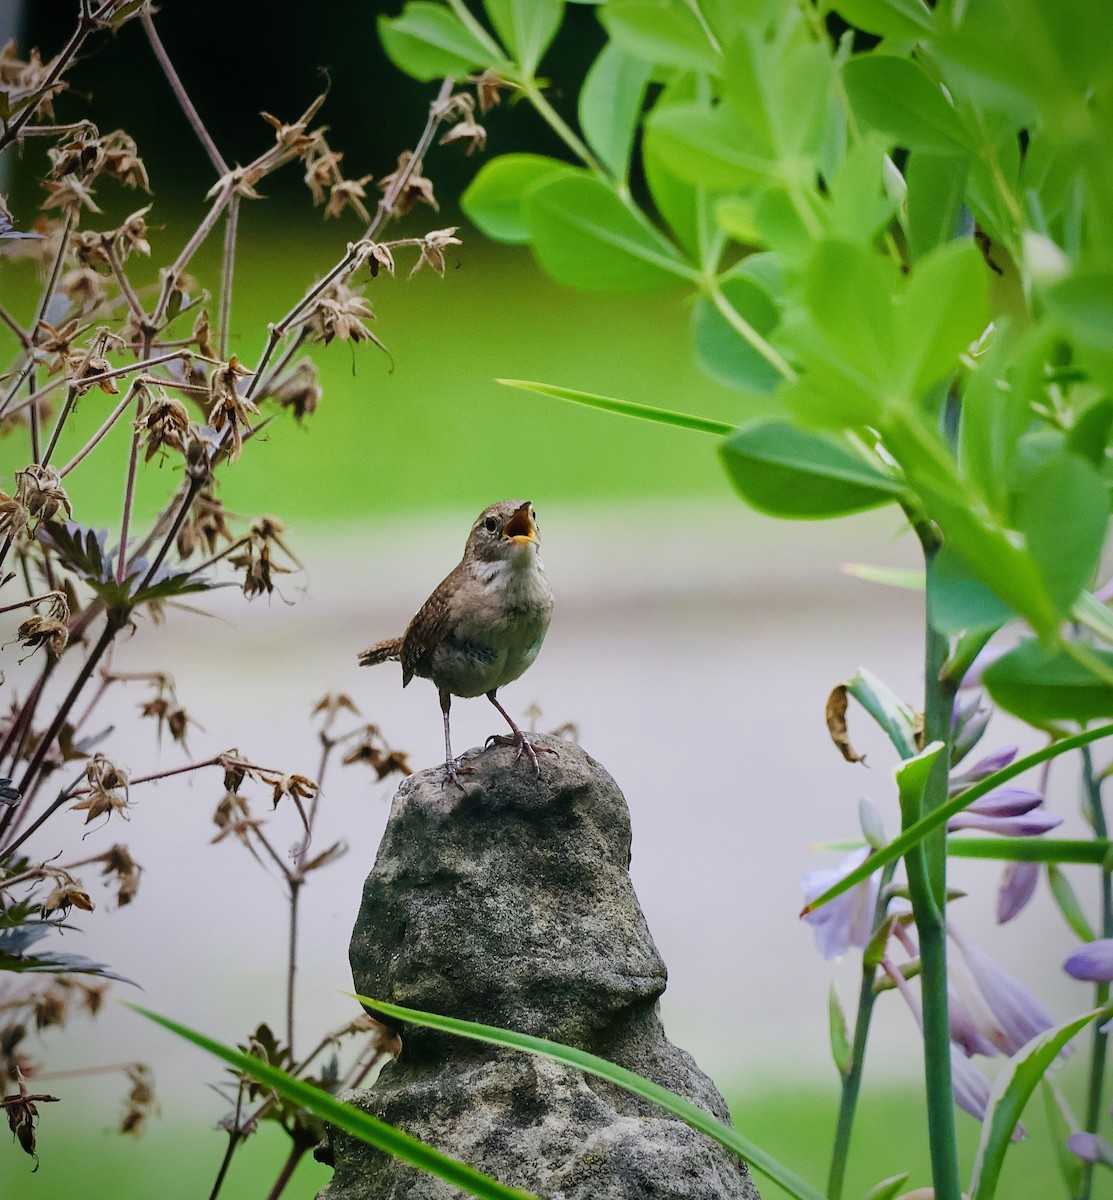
x=349, y=1118
x=688, y=1112
x=626, y=408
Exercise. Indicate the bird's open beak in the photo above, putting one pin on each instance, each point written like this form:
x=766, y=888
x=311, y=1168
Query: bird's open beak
x=520, y=528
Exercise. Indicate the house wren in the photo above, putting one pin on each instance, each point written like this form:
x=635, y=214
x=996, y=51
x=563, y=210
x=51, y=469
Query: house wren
x=484, y=623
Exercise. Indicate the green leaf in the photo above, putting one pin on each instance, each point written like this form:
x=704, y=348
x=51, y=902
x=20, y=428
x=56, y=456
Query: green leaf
x=785, y=471
x=428, y=41
x=526, y=27
x=938, y=817
x=1063, y=514
x=849, y=292
x=887, y=1189
x=780, y=98
x=860, y=206
x=942, y=311
x=610, y=105
x=679, y=202
x=494, y=198
x=352, y=1120
x=1014, y=1084
x=1040, y=685
x=897, y=97
x=1083, y=302
x=1091, y=851
x=1089, y=435
x=958, y=601
x=584, y=236
x=722, y=352
x=1061, y=1124
x=688, y=1112
x=912, y=777
x=836, y=1024
x=936, y=187
x=662, y=32
x=626, y=408
x=887, y=18
x=1067, y=902
x=707, y=147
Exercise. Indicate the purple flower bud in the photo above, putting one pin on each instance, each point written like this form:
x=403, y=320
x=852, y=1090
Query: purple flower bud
x=1092, y=962
x=1090, y=1148
x=969, y=733
x=983, y=768
x=1006, y=802
x=848, y=919
x=1030, y=825
x=1018, y=884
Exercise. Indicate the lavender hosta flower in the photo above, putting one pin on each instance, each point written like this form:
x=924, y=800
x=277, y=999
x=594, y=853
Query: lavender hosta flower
x=1028, y=825
x=1092, y=962
x=848, y=919
x=1016, y=1016
x=1018, y=884
x=983, y=768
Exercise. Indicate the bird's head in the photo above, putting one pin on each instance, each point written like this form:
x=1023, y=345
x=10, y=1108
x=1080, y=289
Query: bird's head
x=504, y=531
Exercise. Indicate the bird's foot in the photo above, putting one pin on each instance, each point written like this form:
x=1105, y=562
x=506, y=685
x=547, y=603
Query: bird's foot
x=525, y=746
x=452, y=772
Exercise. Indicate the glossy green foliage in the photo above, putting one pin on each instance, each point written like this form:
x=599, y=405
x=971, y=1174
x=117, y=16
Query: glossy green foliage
x=817, y=197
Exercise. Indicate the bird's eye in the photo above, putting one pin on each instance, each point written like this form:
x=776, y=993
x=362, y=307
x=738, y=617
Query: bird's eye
x=490, y=524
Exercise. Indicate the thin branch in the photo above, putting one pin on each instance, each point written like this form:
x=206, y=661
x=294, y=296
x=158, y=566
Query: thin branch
x=383, y=212
x=180, y=94
x=227, y=270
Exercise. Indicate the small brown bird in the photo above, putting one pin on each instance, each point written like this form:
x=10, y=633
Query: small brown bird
x=484, y=623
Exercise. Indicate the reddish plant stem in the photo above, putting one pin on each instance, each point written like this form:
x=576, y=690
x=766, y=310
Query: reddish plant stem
x=129, y=492
x=297, y=1151
x=180, y=94
x=227, y=271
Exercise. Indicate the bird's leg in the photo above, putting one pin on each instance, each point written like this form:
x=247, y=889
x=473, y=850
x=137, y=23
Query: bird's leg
x=518, y=738
x=451, y=770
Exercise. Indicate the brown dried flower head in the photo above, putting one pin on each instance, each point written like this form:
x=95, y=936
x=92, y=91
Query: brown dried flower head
x=68, y=893
x=84, y=287
x=412, y=187
x=119, y=862
x=108, y=790
x=488, y=86
x=165, y=422
x=205, y=525
x=230, y=412
x=432, y=247
x=48, y=632
x=21, y=79
x=132, y=234
x=299, y=391
x=141, y=1103
x=467, y=131
x=121, y=160
x=340, y=313
x=233, y=819
x=41, y=493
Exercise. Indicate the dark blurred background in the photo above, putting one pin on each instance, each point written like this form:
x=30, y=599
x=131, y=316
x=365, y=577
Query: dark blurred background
x=234, y=57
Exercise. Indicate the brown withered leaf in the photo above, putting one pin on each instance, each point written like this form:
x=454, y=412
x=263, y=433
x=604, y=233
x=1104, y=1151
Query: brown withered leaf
x=836, y=724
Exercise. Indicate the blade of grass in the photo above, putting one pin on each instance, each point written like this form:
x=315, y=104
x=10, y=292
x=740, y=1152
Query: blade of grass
x=688, y=1112
x=626, y=408
x=1031, y=849
x=939, y=816
x=349, y=1118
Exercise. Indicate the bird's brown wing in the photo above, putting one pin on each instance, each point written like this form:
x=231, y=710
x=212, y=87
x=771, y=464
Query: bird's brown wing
x=381, y=652
x=427, y=630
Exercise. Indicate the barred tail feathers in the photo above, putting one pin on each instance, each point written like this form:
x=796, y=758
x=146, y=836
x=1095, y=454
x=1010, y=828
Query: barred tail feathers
x=388, y=651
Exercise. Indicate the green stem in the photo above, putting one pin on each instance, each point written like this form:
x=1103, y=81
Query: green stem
x=852, y=1080
x=1100, y=1041
x=926, y=864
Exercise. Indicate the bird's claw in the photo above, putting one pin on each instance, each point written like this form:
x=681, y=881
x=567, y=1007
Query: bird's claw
x=452, y=772
x=525, y=746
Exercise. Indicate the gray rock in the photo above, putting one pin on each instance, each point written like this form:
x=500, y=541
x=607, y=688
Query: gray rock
x=511, y=904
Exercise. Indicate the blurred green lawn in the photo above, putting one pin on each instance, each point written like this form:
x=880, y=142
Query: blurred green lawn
x=174, y=1162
